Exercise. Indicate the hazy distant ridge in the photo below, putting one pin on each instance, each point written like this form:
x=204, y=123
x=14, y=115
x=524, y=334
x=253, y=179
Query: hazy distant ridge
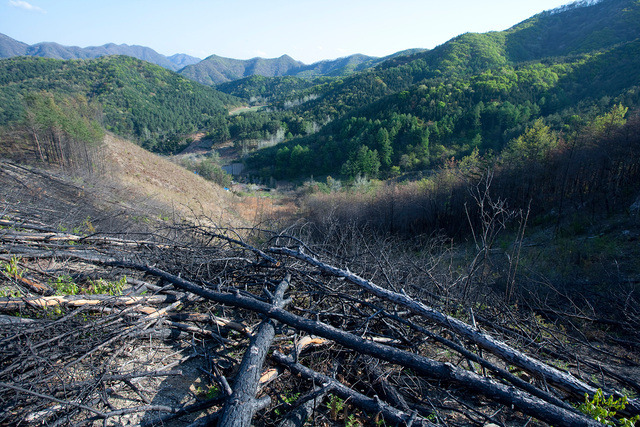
x=10, y=48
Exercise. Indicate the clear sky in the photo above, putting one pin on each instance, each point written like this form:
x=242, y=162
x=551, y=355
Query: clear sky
x=307, y=30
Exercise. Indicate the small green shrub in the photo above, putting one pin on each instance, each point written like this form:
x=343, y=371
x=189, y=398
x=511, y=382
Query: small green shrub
x=212, y=171
x=209, y=168
x=351, y=421
x=102, y=286
x=336, y=405
x=604, y=410
x=288, y=398
x=64, y=285
x=211, y=391
x=12, y=269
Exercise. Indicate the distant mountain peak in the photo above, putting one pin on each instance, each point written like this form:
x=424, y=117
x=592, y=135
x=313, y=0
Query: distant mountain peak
x=182, y=60
x=215, y=69
x=10, y=47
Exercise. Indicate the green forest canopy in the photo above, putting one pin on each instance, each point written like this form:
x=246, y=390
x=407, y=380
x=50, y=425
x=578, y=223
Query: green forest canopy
x=476, y=91
x=139, y=100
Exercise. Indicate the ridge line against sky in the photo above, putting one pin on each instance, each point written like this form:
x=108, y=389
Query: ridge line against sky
x=306, y=30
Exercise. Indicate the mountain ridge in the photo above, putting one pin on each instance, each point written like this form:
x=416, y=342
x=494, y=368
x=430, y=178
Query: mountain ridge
x=215, y=69
x=584, y=26
x=477, y=90
x=138, y=99
x=10, y=47
x=487, y=71
x=210, y=71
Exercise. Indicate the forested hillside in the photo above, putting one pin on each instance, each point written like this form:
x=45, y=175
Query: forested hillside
x=264, y=89
x=580, y=27
x=410, y=113
x=477, y=91
x=136, y=99
x=218, y=70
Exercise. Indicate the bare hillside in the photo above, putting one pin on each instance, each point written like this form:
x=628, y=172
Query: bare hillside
x=148, y=176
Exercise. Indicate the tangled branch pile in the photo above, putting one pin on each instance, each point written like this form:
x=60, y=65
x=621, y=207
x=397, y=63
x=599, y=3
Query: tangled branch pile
x=191, y=323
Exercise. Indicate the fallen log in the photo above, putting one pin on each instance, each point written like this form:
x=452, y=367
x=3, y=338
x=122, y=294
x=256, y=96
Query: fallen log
x=12, y=304
x=140, y=285
x=507, y=395
x=219, y=321
x=242, y=403
x=53, y=236
x=34, y=286
x=25, y=226
x=12, y=320
x=499, y=372
x=188, y=409
x=196, y=330
x=513, y=356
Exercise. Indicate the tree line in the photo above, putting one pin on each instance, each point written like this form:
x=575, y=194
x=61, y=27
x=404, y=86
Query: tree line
x=592, y=172
x=58, y=130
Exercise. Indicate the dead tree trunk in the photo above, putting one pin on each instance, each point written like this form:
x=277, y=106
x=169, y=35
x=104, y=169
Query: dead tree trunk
x=561, y=379
x=242, y=404
x=13, y=304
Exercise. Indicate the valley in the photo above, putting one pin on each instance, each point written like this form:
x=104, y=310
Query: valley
x=439, y=237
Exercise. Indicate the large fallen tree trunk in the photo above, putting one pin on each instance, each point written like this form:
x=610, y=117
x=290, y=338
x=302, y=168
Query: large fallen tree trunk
x=12, y=304
x=53, y=236
x=242, y=404
x=515, y=357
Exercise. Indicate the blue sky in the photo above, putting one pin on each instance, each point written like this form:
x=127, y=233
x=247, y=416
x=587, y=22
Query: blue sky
x=306, y=30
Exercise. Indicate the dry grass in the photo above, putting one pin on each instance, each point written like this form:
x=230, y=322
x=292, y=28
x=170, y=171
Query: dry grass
x=148, y=176
x=260, y=210
x=133, y=176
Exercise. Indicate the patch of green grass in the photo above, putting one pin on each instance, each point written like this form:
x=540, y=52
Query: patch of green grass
x=106, y=287
x=64, y=285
